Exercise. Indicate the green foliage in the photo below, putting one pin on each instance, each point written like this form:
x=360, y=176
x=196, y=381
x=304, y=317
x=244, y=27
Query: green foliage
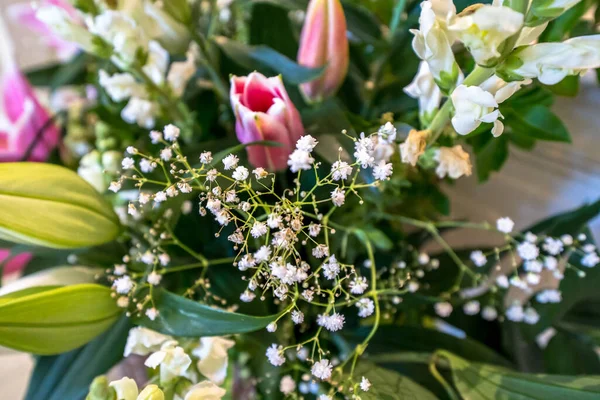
x=51, y=206
x=68, y=375
x=482, y=382
x=179, y=316
x=52, y=320
x=389, y=385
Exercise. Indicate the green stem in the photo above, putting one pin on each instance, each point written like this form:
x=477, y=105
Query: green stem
x=218, y=82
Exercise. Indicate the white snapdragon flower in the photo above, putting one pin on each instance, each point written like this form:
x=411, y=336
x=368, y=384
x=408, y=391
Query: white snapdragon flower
x=120, y=86
x=473, y=106
x=140, y=111
x=552, y=62
x=157, y=62
x=64, y=25
x=143, y=341
x=181, y=72
x=91, y=170
x=426, y=91
x=484, y=30
x=212, y=353
x=431, y=44
x=453, y=161
x=502, y=90
x=172, y=359
x=205, y=390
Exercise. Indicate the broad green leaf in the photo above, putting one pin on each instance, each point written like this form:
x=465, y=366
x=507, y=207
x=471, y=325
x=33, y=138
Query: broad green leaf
x=389, y=385
x=179, y=316
x=571, y=353
x=56, y=320
x=391, y=340
x=270, y=26
x=68, y=375
x=52, y=206
x=485, y=382
x=263, y=57
x=538, y=122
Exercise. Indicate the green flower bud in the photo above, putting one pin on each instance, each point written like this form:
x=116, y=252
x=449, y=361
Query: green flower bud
x=99, y=390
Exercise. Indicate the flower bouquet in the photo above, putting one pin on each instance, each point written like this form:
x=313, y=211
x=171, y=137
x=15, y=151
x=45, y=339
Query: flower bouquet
x=242, y=199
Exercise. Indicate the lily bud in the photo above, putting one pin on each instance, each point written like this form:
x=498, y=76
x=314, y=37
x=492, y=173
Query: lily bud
x=25, y=129
x=126, y=389
x=263, y=111
x=552, y=62
x=431, y=44
x=323, y=43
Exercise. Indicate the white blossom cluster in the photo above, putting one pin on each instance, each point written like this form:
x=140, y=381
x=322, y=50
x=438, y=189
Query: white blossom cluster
x=542, y=260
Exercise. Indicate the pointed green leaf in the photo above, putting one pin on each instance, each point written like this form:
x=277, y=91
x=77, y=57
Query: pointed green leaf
x=52, y=206
x=389, y=385
x=179, y=316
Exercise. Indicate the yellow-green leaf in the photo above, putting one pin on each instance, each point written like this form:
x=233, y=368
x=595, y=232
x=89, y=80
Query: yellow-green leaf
x=51, y=320
x=48, y=205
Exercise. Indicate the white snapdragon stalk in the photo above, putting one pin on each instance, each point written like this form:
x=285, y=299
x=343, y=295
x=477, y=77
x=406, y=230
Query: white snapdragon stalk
x=473, y=105
x=502, y=90
x=205, y=390
x=64, y=25
x=213, y=359
x=485, y=29
x=172, y=359
x=432, y=45
x=424, y=88
x=552, y=62
x=143, y=341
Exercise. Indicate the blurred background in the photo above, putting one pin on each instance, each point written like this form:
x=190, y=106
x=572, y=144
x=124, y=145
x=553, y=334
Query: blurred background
x=555, y=177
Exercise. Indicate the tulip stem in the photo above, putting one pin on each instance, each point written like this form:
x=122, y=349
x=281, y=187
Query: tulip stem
x=475, y=78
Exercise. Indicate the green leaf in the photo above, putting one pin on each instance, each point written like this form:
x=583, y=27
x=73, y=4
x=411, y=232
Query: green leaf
x=55, y=320
x=486, y=382
x=179, y=316
x=48, y=205
x=265, y=59
x=389, y=385
x=270, y=26
x=68, y=375
x=571, y=353
x=490, y=154
x=362, y=24
x=59, y=75
x=567, y=87
x=538, y=122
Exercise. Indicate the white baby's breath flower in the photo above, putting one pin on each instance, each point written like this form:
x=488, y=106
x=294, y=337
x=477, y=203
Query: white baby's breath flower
x=154, y=278
x=382, y=171
x=297, y=317
x=471, y=308
x=443, y=309
x=358, y=285
x=366, y=307
x=478, y=258
x=322, y=369
x=128, y=163
x=240, y=173
x=300, y=160
x=258, y=229
x=287, y=385
x=260, y=173
x=338, y=197
x=114, y=186
x=365, y=384
x=171, y=133
x=230, y=162
x=505, y=225
x=152, y=313
x=340, y=170
x=489, y=313
x=206, y=157
x=306, y=143
x=528, y=251
x=123, y=285
x=275, y=355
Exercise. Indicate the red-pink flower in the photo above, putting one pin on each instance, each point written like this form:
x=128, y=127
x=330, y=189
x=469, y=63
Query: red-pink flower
x=25, y=14
x=25, y=127
x=323, y=43
x=263, y=111
x=13, y=264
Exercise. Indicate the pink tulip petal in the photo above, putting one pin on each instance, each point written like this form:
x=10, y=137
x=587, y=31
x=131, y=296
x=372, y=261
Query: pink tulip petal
x=258, y=95
x=272, y=130
x=15, y=263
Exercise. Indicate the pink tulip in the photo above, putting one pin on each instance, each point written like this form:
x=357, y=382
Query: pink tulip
x=25, y=14
x=14, y=264
x=323, y=43
x=25, y=127
x=263, y=111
